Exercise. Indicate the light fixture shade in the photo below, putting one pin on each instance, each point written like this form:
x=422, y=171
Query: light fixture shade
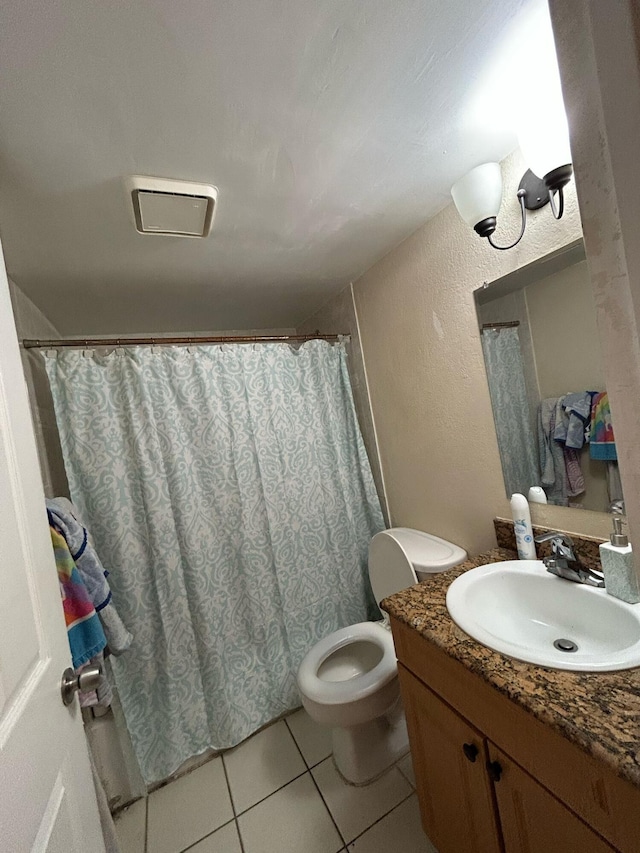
x=544, y=140
x=478, y=194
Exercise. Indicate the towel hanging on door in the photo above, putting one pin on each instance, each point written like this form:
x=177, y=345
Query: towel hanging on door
x=65, y=518
x=86, y=637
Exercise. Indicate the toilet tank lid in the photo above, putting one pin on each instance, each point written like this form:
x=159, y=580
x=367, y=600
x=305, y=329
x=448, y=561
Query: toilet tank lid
x=428, y=553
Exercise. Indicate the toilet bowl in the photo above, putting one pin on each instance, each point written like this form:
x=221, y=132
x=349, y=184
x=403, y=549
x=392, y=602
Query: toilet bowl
x=349, y=679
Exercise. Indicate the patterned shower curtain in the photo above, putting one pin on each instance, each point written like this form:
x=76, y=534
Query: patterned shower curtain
x=229, y=493
x=516, y=441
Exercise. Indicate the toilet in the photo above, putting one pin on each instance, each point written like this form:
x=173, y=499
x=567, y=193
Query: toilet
x=349, y=680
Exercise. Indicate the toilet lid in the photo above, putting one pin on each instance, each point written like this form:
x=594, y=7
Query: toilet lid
x=428, y=553
x=390, y=570
x=396, y=554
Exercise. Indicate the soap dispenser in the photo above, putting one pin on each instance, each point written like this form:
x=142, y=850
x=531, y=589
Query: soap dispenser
x=620, y=579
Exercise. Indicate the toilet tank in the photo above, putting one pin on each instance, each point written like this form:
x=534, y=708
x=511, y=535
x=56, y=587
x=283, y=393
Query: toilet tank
x=400, y=557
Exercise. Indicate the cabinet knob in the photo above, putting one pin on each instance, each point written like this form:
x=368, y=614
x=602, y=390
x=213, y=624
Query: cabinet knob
x=494, y=769
x=470, y=750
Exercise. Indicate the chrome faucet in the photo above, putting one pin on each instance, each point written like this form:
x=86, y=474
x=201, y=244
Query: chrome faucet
x=564, y=563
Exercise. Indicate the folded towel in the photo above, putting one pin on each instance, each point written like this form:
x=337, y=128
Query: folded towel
x=575, y=477
x=571, y=479
x=545, y=412
x=577, y=408
x=86, y=637
x=602, y=440
x=64, y=517
x=552, y=458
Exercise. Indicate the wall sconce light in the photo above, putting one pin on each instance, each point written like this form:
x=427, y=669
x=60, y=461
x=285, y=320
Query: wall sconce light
x=478, y=195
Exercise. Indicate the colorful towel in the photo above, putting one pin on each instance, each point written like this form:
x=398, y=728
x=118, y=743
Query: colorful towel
x=86, y=637
x=602, y=441
x=64, y=517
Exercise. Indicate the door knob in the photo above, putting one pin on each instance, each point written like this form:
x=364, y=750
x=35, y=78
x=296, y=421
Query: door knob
x=83, y=682
x=495, y=771
x=470, y=750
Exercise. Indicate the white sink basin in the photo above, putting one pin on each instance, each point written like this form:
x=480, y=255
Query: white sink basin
x=520, y=609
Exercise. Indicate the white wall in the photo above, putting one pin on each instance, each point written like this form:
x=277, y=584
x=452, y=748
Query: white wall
x=31, y=323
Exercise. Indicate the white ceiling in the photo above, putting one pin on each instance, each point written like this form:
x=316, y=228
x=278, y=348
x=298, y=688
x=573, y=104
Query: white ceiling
x=332, y=129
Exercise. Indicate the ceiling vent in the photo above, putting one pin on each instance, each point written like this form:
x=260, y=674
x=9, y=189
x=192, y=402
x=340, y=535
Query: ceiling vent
x=166, y=206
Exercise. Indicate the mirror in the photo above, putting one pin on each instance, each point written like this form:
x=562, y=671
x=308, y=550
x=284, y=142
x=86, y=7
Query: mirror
x=544, y=368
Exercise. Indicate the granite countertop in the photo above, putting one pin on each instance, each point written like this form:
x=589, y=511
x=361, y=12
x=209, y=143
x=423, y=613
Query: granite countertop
x=600, y=712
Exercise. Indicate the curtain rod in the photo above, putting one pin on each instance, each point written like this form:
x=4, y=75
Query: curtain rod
x=219, y=339
x=512, y=324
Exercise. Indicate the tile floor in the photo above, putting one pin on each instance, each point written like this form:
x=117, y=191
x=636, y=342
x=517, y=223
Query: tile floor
x=278, y=792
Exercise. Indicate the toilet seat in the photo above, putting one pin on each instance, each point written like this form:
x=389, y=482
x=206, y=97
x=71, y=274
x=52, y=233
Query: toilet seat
x=358, y=687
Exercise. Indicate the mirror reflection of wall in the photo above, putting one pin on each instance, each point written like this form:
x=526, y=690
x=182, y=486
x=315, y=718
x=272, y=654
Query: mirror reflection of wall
x=544, y=366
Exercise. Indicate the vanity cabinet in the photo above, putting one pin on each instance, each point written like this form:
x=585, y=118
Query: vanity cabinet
x=473, y=797
x=491, y=778
x=533, y=819
x=457, y=802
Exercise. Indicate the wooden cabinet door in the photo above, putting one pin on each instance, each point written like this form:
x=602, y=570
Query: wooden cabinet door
x=533, y=820
x=457, y=804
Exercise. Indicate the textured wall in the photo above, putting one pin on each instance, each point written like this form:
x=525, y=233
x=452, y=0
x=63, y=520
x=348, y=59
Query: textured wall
x=339, y=316
x=31, y=323
x=426, y=373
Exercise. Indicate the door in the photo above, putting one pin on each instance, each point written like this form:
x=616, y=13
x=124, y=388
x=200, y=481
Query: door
x=47, y=799
x=532, y=819
x=449, y=756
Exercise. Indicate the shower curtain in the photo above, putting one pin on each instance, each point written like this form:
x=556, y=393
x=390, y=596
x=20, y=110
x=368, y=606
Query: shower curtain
x=229, y=493
x=516, y=441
